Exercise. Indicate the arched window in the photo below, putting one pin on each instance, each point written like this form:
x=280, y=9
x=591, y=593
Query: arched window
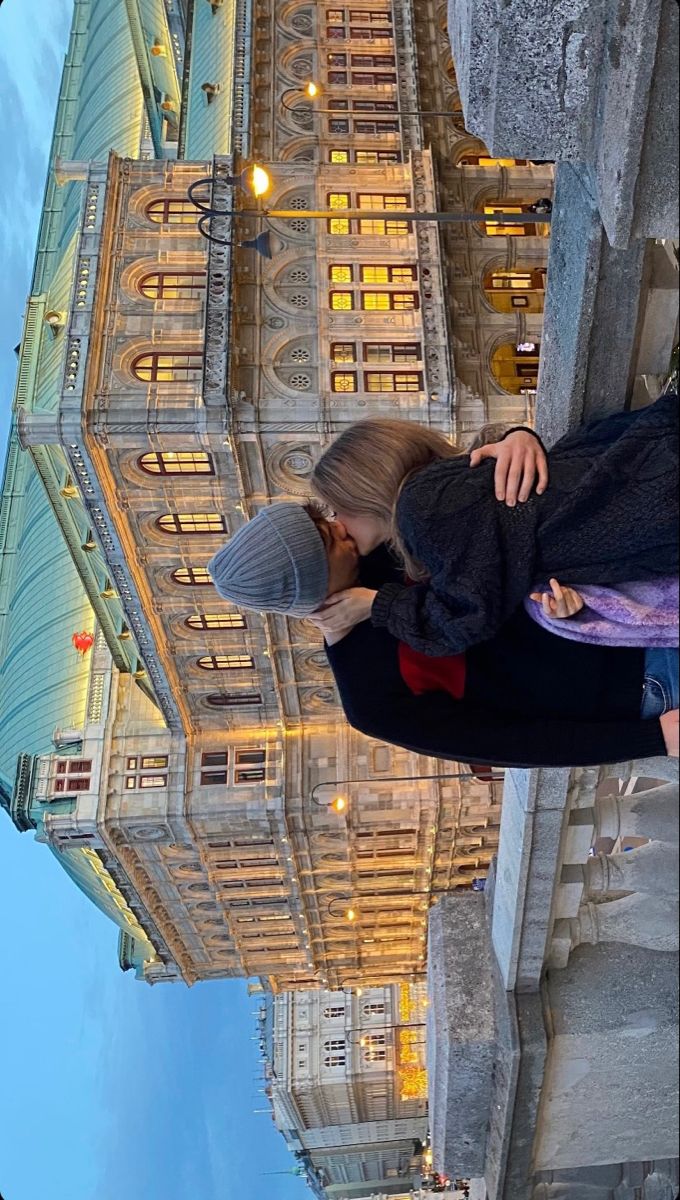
x=191, y=523
x=177, y=462
x=192, y=576
x=173, y=210
x=233, y=699
x=175, y=367
x=169, y=285
x=336, y=1052
x=216, y=621
x=333, y=1012
x=374, y=1010
x=226, y=662
x=520, y=288
x=515, y=367
x=494, y=225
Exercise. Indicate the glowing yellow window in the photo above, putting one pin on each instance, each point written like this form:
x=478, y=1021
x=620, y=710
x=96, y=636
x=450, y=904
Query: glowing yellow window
x=216, y=621
x=375, y=274
x=226, y=662
x=378, y=228
x=494, y=228
x=341, y=273
x=344, y=381
x=342, y=301
x=339, y=156
x=177, y=462
x=343, y=352
x=404, y=301
x=192, y=576
x=192, y=523
x=376, y=301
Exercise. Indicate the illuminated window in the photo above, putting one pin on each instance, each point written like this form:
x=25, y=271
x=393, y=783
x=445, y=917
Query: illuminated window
x=154, y=762
x=131, y=764
x=392, y=352
x=181, y=462
x=370, y=157
x=392, y=202
x=494, y=226
x=153, y=781
x=192, y=576
x=168, y=368
x=216, y=621
x=515, y=367
x=389, y=301
x=192, y=523
x=338, y=200
x=164, y=285
x=343, y=352
x=233, y=699
x=226, y=662
x=506, y=290
x=388, y=274
x=484, y=160
x=341, y=273
x=344, y=381
x=341, y=301
x=174, y=210
x=378, y=227
x=393, y=381
x=339, y=156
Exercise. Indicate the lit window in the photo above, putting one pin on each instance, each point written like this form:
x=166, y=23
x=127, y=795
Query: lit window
x=216, y=621
x=191, y=523
x=338, y=200
x=130, y=783
x=344, y=381
x=376, y=301
x=162, y=285
x=342, y=301
x=182, y=462
x=154, y=762
x=226, y=662
x=393, y=381
x=153, y=781
x=388, y=274
x=192, y=576
x=339, y=156
x=174, y=210
x=131, y=764
x=341, y=273
x=494, y=226
x=168, y=368
x=343, y=352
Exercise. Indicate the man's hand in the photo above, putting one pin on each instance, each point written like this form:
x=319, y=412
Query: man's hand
x=342, y=612
x=561, y=602
x=520, y=462
x=670, y=727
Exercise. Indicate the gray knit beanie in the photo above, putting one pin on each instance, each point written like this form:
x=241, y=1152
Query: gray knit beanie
x=275, y=563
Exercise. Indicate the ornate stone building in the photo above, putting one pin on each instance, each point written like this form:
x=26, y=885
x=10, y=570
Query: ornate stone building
x=184, y=770
x=347, y=1081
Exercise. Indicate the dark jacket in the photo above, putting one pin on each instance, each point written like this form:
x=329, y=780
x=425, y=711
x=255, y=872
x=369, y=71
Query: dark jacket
x=532, y=699
x=610, y=515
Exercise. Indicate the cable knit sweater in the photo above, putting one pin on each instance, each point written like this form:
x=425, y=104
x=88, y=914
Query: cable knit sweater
x=610, y=515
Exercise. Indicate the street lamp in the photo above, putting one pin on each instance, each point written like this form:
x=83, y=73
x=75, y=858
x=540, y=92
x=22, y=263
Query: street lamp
x=339, y=804
x=312, y=91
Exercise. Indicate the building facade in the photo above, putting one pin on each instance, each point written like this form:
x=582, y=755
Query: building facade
x=185, y=767
x=347, y=1081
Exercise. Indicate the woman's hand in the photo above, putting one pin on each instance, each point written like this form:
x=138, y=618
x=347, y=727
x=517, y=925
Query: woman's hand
x=342, y=612
x=561, y=602
x=670, y=727
x=521, y=461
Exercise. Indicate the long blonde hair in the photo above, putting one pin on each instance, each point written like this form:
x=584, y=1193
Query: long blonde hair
x=364, y=469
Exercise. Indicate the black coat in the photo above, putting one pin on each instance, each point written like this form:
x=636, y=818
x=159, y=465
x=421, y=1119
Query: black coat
x=610, y=515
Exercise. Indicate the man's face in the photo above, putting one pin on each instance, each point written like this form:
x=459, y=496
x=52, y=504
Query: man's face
x=343, y=556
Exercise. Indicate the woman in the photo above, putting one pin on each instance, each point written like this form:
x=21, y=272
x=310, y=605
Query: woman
x=609, y=516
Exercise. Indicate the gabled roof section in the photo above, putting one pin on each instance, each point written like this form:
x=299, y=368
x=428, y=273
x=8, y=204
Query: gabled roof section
x=207, y=126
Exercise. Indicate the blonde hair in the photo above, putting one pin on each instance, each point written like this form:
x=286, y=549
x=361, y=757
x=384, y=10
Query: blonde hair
x=364, y=469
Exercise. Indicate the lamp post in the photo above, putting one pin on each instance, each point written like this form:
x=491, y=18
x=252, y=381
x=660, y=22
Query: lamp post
x=339, y=804
x=312, y=90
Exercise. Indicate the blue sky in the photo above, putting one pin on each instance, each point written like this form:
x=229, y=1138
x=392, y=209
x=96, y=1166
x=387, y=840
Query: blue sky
x=110, y=1090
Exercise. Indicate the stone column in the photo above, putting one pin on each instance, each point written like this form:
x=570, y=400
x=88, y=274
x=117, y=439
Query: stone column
x=637, y=920
x=652, y=814
x=652, y=868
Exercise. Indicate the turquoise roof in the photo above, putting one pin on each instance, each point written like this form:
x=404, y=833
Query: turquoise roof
x=208, y=126
x=41, y=597
x=78, y=865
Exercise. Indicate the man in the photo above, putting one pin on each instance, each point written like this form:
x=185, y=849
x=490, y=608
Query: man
x=525, y=698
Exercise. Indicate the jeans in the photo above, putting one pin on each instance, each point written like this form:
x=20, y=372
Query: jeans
x=661, y=689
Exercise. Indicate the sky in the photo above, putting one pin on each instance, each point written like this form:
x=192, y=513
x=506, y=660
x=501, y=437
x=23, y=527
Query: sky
x=109, y=1089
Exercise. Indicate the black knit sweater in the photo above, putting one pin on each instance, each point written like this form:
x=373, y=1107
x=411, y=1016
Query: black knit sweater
x=610, y=515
